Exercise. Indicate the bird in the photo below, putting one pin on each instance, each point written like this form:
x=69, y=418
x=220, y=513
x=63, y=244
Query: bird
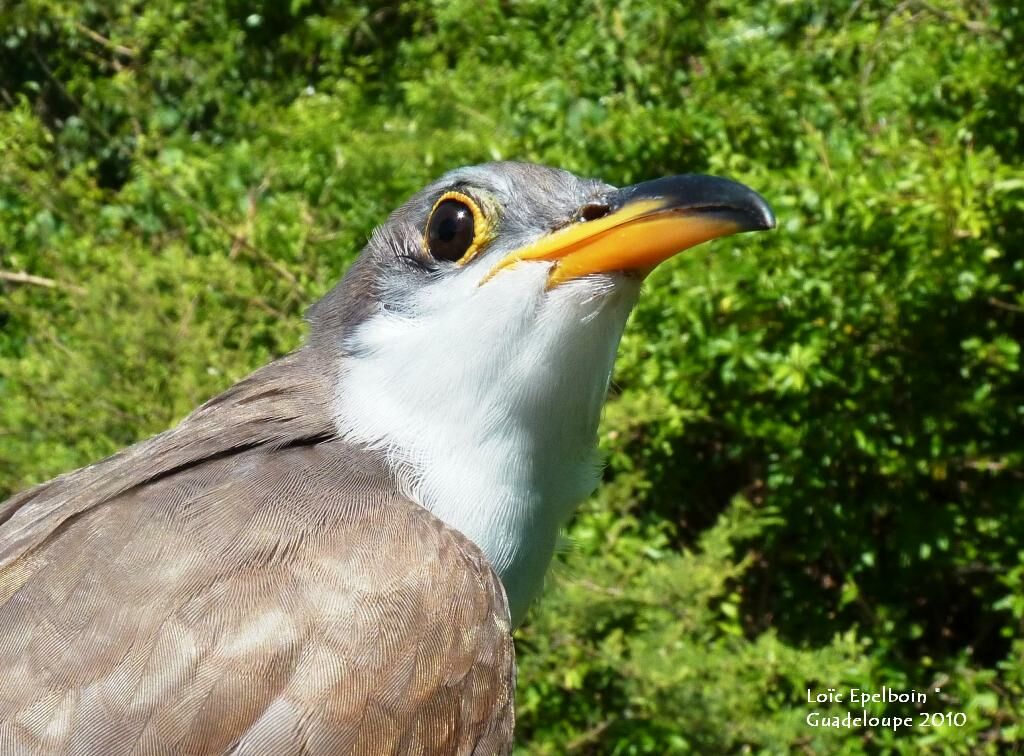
x=330, y=556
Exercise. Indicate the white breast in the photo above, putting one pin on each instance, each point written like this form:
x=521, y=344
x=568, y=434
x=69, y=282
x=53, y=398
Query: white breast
x=487, y=399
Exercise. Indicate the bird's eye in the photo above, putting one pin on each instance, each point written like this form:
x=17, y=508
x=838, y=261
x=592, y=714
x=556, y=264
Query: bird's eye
x=454, y=230
x=592, y=211
x=450, y=232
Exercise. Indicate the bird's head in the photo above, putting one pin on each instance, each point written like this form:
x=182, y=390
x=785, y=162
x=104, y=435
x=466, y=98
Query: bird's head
x=475, y=337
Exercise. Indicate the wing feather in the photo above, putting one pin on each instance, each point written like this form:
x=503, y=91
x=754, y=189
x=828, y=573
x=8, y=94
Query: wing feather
x=246, y=598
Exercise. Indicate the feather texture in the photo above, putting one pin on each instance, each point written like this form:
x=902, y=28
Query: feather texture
x=247, y=583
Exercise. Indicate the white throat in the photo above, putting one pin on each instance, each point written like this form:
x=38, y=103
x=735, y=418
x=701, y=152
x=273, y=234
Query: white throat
x=486, y=400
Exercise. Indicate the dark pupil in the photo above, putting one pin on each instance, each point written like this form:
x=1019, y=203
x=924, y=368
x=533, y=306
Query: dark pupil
x=450, y=233
x=447, y=229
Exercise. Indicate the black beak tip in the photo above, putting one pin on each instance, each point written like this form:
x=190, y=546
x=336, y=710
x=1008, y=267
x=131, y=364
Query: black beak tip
x=711, y=195
x=747, y=208
x=762, y=215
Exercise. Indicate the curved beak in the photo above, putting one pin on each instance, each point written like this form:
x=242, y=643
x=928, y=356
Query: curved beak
x=642, y=225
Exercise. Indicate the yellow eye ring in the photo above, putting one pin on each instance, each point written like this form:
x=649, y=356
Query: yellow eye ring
x=481, y=227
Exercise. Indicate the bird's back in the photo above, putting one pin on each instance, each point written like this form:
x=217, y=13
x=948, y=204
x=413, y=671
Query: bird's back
x=267, y=598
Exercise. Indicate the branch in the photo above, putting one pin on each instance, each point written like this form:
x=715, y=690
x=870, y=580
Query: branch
x=28, y=278
x=587, y=737
x=238, y=240
x=975, y=27
x=95, y=36
x=1004, y=305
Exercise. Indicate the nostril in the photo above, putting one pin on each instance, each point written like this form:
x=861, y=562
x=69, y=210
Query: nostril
x=592, y=211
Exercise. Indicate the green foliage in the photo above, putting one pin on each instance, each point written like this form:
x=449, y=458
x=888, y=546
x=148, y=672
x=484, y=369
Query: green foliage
x=816, y=466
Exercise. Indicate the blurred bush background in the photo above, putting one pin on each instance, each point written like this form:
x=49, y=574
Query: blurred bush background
x=816, y=437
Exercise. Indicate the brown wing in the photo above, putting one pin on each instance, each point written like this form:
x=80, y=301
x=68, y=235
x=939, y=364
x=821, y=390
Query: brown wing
x=262, y=602
x=285, y=402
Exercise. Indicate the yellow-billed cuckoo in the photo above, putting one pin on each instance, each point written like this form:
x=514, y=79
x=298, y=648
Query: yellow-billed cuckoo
x=329, y=556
